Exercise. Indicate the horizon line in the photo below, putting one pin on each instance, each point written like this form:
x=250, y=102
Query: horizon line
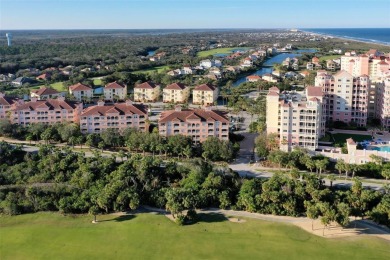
x=226, y=28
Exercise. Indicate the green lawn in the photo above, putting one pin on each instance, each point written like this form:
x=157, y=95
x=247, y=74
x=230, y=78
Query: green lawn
x=59, y=86
x=148, y=236
x=97, y=82
x=203, y=54
x=329, y=57
x=341, y=138
x=158, y=69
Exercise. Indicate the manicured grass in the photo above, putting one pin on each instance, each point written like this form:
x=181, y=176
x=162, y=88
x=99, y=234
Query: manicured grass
x=341, y=138
x=97, y=82
x=158, y=69
x=329, y=57
x=148, y=236
x=218, y=51
x=59, y=86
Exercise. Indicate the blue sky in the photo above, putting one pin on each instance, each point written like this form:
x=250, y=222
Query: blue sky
x=156, y=14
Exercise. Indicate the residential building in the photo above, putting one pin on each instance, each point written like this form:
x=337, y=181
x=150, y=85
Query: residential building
x=81, y=92
x=204, y=94
x=346, y=96
x=206, y=64
x=383, y=102
x=270, y=78
x=46, y=93
x=297, y=117
x=115, y=91
x=44, y=76
x=176, y=93
x=147, y=92
x=6, y=105
x=48, y=111
x=247, y=62
x=119, y=116
x=21, y=80
x=253, y=78
x=199, y=124
x=355, y=65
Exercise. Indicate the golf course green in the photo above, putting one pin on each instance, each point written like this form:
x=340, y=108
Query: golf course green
x=148, y=236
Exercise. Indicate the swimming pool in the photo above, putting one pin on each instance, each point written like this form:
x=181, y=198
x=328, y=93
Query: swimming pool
x=381, y=148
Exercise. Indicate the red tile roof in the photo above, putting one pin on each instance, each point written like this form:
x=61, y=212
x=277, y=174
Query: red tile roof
x=274, y=89
x=114, y=85
x=146, y=85
x=6, y=101
x=205, y=87
x=45, y=91
x=44, y=76
x=178, y=86
x=49, y=104
x=120, y=108
x=185, y=114
x=254, y=77
x=350, y=141
x=79, y=87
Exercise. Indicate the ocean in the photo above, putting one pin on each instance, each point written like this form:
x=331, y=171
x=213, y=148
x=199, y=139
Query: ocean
x=374, y=35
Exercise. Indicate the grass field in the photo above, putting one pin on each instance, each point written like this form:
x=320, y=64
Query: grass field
x=97, y=82
x=202, y=54
x=158, y=69
x=341, y=138
x=329, y=57
x=148, y=236
x=59, y=86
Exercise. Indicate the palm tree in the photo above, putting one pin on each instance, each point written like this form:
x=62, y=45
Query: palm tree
x=331, y=179
x=340, y=166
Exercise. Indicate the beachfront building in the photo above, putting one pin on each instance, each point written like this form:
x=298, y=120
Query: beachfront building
x=199, y=124
x=81, y=92
x=6, y=105
x=383, y=102
x=204, y=94
x=115, y=91
x=346, y=96
x=176, y=93
x=147, y=92
x=48, y=112
x=119, y=116
x=46, y=93
x=297, y=117
x=355, y=65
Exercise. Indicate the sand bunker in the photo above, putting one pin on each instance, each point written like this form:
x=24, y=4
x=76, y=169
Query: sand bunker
x=237, y=220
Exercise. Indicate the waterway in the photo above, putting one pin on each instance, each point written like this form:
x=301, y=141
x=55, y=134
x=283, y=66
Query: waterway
x=279, y=58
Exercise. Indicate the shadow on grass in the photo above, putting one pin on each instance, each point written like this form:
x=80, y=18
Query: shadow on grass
x=119, y=218
x=211, y=217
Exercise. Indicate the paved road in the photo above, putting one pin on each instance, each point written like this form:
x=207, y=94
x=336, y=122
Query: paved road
x=246, y=170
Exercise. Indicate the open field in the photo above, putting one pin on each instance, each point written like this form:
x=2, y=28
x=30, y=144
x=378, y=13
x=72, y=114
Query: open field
x=340, y=138
x=329, y=57
x=59, y=86
x=148, y=236
x=218, y=51
x=158, y=69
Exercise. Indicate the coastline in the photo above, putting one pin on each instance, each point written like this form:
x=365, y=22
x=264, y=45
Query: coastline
x=346, y=38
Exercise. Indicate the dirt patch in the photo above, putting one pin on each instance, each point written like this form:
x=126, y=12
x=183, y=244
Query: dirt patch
x=237, y=220
x=336, y=231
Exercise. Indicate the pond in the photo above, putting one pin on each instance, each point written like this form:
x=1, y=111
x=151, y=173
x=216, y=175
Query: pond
x=267, y=66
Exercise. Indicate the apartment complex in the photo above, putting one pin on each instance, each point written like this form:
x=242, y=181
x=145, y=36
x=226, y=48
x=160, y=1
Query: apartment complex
x=48, y=111
x=346, y=96
x=147, y=92
x=81, y=92
x=119, y=116
x=6, y=104
x=176, y=93
x=204, y=94
x=115, y=91
x=383, y=102
x=199, y=124
x=297, y=117
x=45, y=93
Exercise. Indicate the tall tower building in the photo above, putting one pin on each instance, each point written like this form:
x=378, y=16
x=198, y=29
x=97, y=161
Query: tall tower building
x=9, y=38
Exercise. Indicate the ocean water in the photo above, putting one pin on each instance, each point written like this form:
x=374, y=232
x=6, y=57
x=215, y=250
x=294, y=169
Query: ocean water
x=374, y=35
